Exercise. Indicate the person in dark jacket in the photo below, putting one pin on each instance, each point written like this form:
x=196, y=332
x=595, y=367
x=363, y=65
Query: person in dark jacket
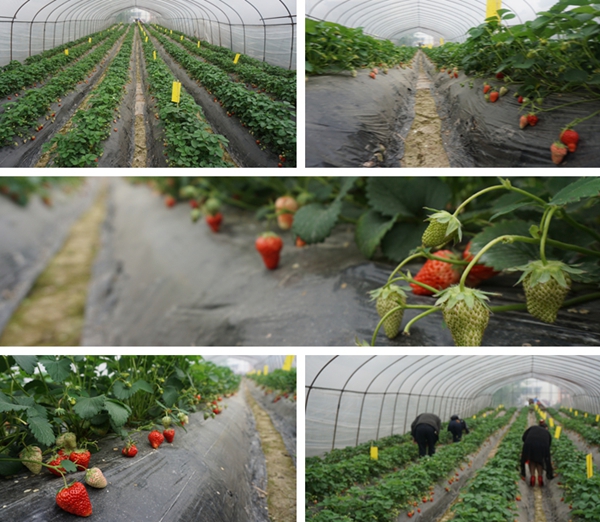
x=425, y=431
x=457, y=426
x=536, y=452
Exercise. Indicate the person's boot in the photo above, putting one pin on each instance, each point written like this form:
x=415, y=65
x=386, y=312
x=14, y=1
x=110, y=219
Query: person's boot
x=540, y=481
x=532, y=481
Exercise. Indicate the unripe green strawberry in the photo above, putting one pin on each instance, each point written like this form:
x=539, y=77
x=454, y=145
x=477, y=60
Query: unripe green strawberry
x=95, y=478
x=443, y=228
x=166, y=421
x=546, y=286
x=32, y=453
x=67, y=440
x=386, y=300
x=465, y=313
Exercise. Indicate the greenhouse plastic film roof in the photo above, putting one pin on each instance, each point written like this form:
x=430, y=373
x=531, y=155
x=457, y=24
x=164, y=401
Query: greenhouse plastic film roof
x=351, y=400
x=260, y=28
x=391, y=19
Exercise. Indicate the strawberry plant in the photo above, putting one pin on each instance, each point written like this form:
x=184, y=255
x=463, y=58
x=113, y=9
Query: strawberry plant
x=21, y=189
x=332, y=48
x=553, y=244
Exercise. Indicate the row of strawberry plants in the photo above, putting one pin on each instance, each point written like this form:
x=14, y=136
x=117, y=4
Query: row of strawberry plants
x=490, y=495
x=81, y=145
x=21, y=76
x=20, y=116
x=326, y=478
x=21, y=189
x=270, y=121
x=383, y=500
x=282, y=87
x=589, y=433
x=273, y=70
x=189, y=140
x=592, y=419
x=42, y=397
x=279, y=380
x=580, y=492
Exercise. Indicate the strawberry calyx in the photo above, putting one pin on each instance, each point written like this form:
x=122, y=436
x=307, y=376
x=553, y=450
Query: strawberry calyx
x=388, y=292
x=451, y=296
x=541, y=272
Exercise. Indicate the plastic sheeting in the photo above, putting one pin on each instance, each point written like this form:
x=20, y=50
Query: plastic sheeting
x=30, y=237
x=262, y=29
x=350, y=120
x=282, y=413
x=354, y=399
x=393, y=20
x=208, y=474
x=483, y=134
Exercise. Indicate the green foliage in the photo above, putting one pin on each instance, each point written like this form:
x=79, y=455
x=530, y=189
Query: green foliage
x=332, y=48
x=21, y=189
x=279, y=380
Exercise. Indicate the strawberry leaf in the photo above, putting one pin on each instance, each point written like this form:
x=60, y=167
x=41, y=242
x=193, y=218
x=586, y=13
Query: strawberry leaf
x=370, y=230
x=87, y=407
x=8, y=467
x=582, y=188
x=118, y=412
x=314, y=222
x=26, y=362
x=7, y=405
x=401, y=239
x=406, y=197
x=40, y=427
x=59, y=369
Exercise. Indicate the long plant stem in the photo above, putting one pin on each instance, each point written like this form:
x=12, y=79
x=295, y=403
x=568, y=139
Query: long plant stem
x=420, y=316
x=548, y=216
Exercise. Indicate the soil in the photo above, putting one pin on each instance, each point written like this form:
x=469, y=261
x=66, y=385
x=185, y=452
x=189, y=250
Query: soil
x=53, y=311
x=423, y=145
x=281, y=473
x=140, y=156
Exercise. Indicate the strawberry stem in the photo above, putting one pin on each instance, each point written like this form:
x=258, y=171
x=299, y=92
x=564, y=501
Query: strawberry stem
x=571, y=302
x=546, y=218
x=420, y=316
x=578, y=225
x=399, y=267
x=473, y=262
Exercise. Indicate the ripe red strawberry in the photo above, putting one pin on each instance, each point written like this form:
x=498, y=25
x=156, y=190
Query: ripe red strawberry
x=465, y=313
x=570, y=138
x=494, y=95
x=300, y=242
x=438, y=274
x=499, y=75
x=269, y=246
x=75, y=499
x=95, y=478
x=194, y=203
x=170, y=201
x=214, y=222
x=532, y=119
x=56, y=460
x=130, y=450
x=285, y=208
x=558, y=151
x=455, y=74
x=81, y=458
x=32, y=453
x=520, y=99
x=372, y=75
x=387, y=299
x=486, y=88
x=155, y=438
x=479, y=272
x=217, y=410
x=523, y=122
x=169, y=435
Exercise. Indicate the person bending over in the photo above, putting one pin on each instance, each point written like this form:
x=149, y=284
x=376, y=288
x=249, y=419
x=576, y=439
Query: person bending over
x=425, y=431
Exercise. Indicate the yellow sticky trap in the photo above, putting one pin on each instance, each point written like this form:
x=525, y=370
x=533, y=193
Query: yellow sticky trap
x=474, y=416
x=287, y=364
x=557, y=432
x=551, y=421
x=154, y=54
x=492, y=8
x=198, y=44
x=576, y=413
x=441, y=41
x=89, y=40
x=484, y=415
x=146, y=39
x=266, y=369
x=374, y=453
x=181, y=38
x=585, y=415
x=589, y=463
x=237, y=57
x=176, y=97
x=597, y=418
x=171, y=31
x=571, y=410
x=67, y=52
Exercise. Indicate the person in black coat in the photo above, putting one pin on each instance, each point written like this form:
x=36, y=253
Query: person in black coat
x=425, y=431
x=457, y=426
x=536, y=452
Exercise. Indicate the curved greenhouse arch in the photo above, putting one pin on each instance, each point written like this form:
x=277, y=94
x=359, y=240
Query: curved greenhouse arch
x=353, y=399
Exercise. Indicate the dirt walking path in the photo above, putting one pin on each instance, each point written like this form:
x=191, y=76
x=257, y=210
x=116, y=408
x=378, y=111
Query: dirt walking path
x=52, y=314
x=423, y=145
x=140, y=156
x=281, y=473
